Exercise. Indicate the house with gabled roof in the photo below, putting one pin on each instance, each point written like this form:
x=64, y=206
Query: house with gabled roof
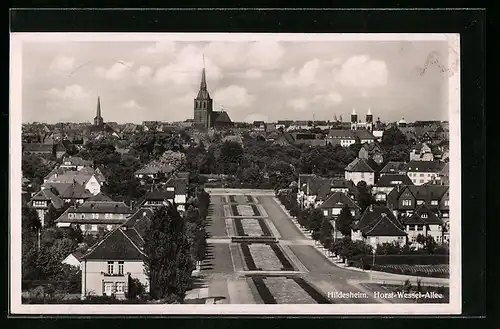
x=393, y=167
x=424, y=221
x=153, y=170
x=93, y=215
x=421, y=152
x=386, y=183
x=334, y=203
x=74, y=163
x=342, y=137
x=73, y=259
x=371, y=151
x=41, y=202
x=378, y=225
x=403, y=200
x=421, y=172
x=109, y=265
x=359, y=170
x=100, y=197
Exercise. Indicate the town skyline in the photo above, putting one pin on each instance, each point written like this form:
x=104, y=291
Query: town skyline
x=259, y=81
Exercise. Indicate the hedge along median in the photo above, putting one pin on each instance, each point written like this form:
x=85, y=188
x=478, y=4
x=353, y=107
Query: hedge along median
x=263, y=291
x=256, y=211
x=263, y=227
x=418, y=259
x=287, y=266
x=239, y=227
x=249, y=199
x=232, y=199
x=235, y=210
x=318, y=297
x=248, y=257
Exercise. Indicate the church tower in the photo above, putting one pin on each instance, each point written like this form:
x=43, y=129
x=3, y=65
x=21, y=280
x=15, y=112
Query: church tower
x=203, y=104
x=354, y=120
x=98, y=120
x=369, y=120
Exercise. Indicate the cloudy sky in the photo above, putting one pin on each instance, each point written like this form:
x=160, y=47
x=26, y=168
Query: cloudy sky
x=252, y=80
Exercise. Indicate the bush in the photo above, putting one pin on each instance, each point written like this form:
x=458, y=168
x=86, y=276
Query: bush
x=421, y=259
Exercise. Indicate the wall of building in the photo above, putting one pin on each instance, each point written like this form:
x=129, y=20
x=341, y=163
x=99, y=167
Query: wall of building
x=356, y=177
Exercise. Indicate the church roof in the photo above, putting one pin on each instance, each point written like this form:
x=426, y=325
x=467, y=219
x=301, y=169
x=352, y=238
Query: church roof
x=203, y=92
x=219, y=117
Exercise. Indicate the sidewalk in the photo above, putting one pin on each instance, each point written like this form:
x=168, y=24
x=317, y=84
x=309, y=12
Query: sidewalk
x=375, y=275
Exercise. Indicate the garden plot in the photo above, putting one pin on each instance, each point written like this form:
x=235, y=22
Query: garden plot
x=251, y=227
x=287, y=291
x=265, y=258
x=246, y=210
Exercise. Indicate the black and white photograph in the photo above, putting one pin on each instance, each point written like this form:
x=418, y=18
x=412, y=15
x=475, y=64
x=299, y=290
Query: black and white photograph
x=196, y=173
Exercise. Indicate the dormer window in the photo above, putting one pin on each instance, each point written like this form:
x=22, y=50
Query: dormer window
x=446, y=203
x=419, y=202
x=434, y=202
x=407, y=203
x=424, y=215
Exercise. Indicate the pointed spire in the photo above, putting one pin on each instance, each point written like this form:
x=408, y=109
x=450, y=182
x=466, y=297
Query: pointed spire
x=203, y=93
x=98, y=115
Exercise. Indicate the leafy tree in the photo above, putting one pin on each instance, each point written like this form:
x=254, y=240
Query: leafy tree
x=135, y=288
x=365, y=198
x=344, y=221
x=230, y=157
x=392, y=137
x=326, y=233
x=316, y=220
x=168, y=262
x=34, y=168
x=429, y=244
x=121, y=184
x=175, y=159
x=102, y=152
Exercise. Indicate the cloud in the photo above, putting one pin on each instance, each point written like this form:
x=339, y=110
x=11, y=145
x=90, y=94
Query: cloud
x=186, y=68
x=265, y=55
x=132, y=104
x=143, y=73
x=303, y=77
x=256, y=117
x=362, y=71
x=233, y=96
x=62, y=63
x=253, y=74
x=331, y=99
x=116, y=72
x=298, y=104
x=164, y=47
x=73, y=92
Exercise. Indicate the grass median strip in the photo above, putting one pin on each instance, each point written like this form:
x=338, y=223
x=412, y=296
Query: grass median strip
x=235, y=210
x=256, y=211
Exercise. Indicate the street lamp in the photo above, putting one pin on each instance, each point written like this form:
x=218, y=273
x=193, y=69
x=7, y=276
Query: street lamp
x=374, y=251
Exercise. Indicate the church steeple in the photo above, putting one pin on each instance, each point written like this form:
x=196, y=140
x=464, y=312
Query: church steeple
x=203, y=104
x=98, y=120
x=203, y=92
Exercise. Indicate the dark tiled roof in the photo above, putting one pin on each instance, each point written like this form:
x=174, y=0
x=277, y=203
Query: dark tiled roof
x=393, y=167
x=75, y=191
x=100, y=197
x=424, y=215
x=76, y=161
x=48, y=195
x=116, y=245
x=78, y=255
x=220, y=117
x=179, y=185
x=359, y=165
x=363, y=134
x=426, y=193
x=379, y=221
x=337, y=200
x=104, y=207
x=393, y=180
x=37, y=147
x=159, y=195
x=341, y=134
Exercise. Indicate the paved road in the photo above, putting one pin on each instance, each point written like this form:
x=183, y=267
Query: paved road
x=221, y=272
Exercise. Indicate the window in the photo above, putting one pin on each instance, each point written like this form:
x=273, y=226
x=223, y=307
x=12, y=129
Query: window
x=406, y=202
x=88, y=227
x=421, y=175
x=108, y=288
x=413, y=239
x=94, y=227
x=71, y=215
x=109, y=227
x=420, y=227
x=421, y=181
x=325, y=212
x=362, y=175
x=110, y=267
x=446, y=203
x=411, y=227
x=434, y=202
x=424, y=216
x=121, y=216
x=95, y=216
x=120, y=267
x=119, y=286
x=419, y=202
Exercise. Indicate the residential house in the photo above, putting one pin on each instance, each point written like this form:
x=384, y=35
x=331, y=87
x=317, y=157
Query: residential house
x=283, y=124
x=393, y=167
x=92, y=215
x=74, y=163
x=323, y=125
x=259, y=126
x=378, y=225
x=129, y=128
x=299, y=125
x=364, y=136
x=371, y=151
x=157, y=198
x=342, y=137
x=424, y=221
x=57, y=150
x=312, y=189
x=110, y=264
x=386, y=183
x=444, y=174
x=421, y=152
x=89, y=180
x=334, y=203
x=344, y=186
x=423, y=134
x=284, y=139
x=358, y=170
x=403, y=200
x=100, y=197
x=153, y=171
x=178, y=184
x=42, y=201
x=421, y=172
x=73, y=259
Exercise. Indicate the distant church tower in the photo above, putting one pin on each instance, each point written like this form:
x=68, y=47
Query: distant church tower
x=369, y=120
x=354, y=120
x=203, y=104
x=98, y=120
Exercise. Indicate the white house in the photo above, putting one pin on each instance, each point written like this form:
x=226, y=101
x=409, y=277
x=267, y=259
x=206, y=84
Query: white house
x=73, y=259
x=358, y=170
x=422, y=172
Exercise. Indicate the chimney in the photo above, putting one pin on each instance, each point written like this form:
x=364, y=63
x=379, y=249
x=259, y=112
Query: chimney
x=131, y=204
x=370, y=208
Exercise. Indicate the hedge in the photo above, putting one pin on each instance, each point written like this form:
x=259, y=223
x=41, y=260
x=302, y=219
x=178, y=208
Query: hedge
x=402, y=259
x=263, y=227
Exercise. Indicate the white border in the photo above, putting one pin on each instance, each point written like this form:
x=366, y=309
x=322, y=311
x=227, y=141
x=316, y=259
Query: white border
x=455, y=305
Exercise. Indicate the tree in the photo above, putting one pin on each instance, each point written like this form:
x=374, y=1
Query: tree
x=316, y=221
x=135, y=288
x=365, y=198
x=429, y=244
x=344, y=221
x=175, y=159
x=393, y=136
x=326, y=233
x=230, y=157
x=168, y=262
x=388, y=248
